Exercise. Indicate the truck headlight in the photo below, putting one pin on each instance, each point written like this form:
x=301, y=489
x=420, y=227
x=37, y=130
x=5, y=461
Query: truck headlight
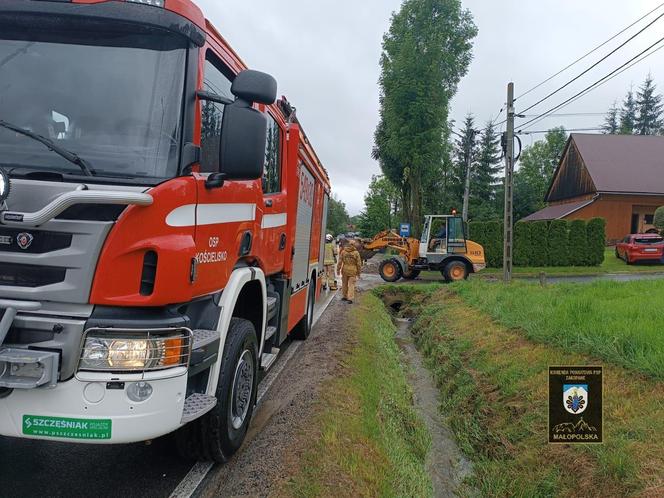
x=131, y=351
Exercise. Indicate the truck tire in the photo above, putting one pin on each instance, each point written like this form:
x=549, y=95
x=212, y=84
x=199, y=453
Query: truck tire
x=455, y=271
x=217, y=435
x=411, y=274
x=303, y=328
x=390, y=270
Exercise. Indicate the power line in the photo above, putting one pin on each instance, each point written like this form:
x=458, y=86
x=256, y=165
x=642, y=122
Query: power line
x=566, y=129
x=593, y=65
x=590, y=52
x=590, y=87
x=567, y=115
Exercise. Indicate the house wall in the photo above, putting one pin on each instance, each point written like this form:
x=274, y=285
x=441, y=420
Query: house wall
x=617, y=210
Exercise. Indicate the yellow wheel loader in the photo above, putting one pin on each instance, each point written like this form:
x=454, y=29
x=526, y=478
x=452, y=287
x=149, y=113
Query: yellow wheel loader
x=443, y=247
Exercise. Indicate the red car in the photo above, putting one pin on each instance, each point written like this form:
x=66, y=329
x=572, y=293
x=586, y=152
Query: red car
x=641, y=247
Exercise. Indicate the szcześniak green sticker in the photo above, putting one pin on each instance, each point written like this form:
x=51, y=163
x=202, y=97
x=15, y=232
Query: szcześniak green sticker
x=70, y=428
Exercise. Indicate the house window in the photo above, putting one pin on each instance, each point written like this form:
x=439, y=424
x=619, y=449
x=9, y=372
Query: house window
x=217, y=80
x=649, y=219
x=272, y=171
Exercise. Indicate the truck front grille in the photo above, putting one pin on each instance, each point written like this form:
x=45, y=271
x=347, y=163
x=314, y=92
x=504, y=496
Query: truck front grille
x=14, y=275
x=40, y=242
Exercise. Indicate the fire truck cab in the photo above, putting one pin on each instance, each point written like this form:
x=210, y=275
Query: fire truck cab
x=162, y=219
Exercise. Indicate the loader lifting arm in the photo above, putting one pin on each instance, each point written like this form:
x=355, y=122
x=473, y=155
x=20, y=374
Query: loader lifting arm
x=407, y=247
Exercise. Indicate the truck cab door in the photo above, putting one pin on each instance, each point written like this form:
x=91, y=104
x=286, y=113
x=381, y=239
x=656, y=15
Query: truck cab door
x=273, y=238
x=456, y=237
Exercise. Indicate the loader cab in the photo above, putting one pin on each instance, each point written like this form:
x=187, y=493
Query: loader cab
x=442, y=234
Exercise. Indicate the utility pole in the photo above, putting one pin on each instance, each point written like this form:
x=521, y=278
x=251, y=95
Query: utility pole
x=509, y=184
x=469, y=162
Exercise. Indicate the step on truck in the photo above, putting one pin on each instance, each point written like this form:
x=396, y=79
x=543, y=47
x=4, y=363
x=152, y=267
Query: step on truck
x=162, y=220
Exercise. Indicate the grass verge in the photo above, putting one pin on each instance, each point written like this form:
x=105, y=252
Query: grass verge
x=366, y=439
x=493, y=383
x=611, y=264
x=618, y=322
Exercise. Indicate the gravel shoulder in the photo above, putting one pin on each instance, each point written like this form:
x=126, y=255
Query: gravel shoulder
x=274, y=435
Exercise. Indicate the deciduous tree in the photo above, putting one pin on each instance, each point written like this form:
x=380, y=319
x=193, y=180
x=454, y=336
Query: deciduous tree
x=536, y=167
x=425, y=53
x=337, y=216
x=380, y=207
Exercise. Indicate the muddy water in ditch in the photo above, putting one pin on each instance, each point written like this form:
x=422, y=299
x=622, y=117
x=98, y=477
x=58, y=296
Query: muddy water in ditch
x=445, y=463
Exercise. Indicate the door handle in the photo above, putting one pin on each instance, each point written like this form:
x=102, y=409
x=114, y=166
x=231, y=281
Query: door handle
x=268, y=203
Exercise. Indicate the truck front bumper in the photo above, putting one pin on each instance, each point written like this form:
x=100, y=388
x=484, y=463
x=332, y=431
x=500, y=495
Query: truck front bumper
x=96, y=409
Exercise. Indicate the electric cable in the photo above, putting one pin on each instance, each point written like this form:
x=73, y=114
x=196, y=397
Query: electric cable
x=590, y=52
x=592, y=66
x=591, y=87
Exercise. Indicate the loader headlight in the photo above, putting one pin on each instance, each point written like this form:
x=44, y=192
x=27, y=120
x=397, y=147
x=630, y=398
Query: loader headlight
x=119, y=351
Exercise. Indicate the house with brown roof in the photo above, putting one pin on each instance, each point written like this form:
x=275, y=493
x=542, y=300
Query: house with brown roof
x=616, y=177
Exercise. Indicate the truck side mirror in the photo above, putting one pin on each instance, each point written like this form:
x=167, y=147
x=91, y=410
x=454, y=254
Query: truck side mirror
x=254, y=86
x=244, y=129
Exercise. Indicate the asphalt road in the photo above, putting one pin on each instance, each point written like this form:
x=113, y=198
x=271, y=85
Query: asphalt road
x=30, y=468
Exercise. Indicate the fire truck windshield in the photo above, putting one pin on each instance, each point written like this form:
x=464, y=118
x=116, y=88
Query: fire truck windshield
x=114, y=99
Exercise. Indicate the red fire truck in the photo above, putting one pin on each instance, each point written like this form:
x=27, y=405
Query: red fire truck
x=162, y=220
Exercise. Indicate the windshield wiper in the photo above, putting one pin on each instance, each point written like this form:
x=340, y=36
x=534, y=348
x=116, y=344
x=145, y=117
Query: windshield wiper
x=61, y=151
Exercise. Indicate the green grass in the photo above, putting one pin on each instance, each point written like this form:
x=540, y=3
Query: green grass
x=367, y=439
x=494, y=394
x=611, y=264
x=621, y=322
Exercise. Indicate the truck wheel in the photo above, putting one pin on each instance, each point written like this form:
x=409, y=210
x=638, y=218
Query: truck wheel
x=219, y=434
x=390, y=270
x=411, y=274
x=455, y=271
x=303, y=328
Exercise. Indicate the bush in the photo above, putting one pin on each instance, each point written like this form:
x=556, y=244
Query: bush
x=489, y=234
x=659, y=218
x=494, y=248
x=539, y=237
x=558, y=244
x=578, y=243
x=522, y=246
x=596, y=233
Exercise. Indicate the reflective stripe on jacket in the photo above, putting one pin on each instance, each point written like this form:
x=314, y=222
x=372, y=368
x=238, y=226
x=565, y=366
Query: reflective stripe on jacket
x=330, y=254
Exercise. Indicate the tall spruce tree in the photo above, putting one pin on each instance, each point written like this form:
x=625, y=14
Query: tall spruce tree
x=628, y=114
x=648, y=109
x=611, y=124
x=484, y=175
x=465, y=153
x=425, y=53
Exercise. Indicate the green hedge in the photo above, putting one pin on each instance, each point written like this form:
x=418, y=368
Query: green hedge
x=543, y=243
x=578, y=243
x=522, y=244
x=558, y=243
x=539, y=234
x=596, y=230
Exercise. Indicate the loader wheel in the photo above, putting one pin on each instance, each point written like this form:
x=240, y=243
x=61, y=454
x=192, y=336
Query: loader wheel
x=390, y=270
x=455, y=271
x=411, y=274
x=219, y=434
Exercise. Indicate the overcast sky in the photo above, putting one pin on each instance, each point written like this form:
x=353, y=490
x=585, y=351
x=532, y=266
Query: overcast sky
x=325, y=56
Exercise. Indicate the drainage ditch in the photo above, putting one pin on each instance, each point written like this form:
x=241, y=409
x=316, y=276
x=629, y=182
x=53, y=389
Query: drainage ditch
x=445, y=463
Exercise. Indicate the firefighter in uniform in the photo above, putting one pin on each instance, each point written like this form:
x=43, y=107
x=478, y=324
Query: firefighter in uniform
x=350, y=265
x=330, y=262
